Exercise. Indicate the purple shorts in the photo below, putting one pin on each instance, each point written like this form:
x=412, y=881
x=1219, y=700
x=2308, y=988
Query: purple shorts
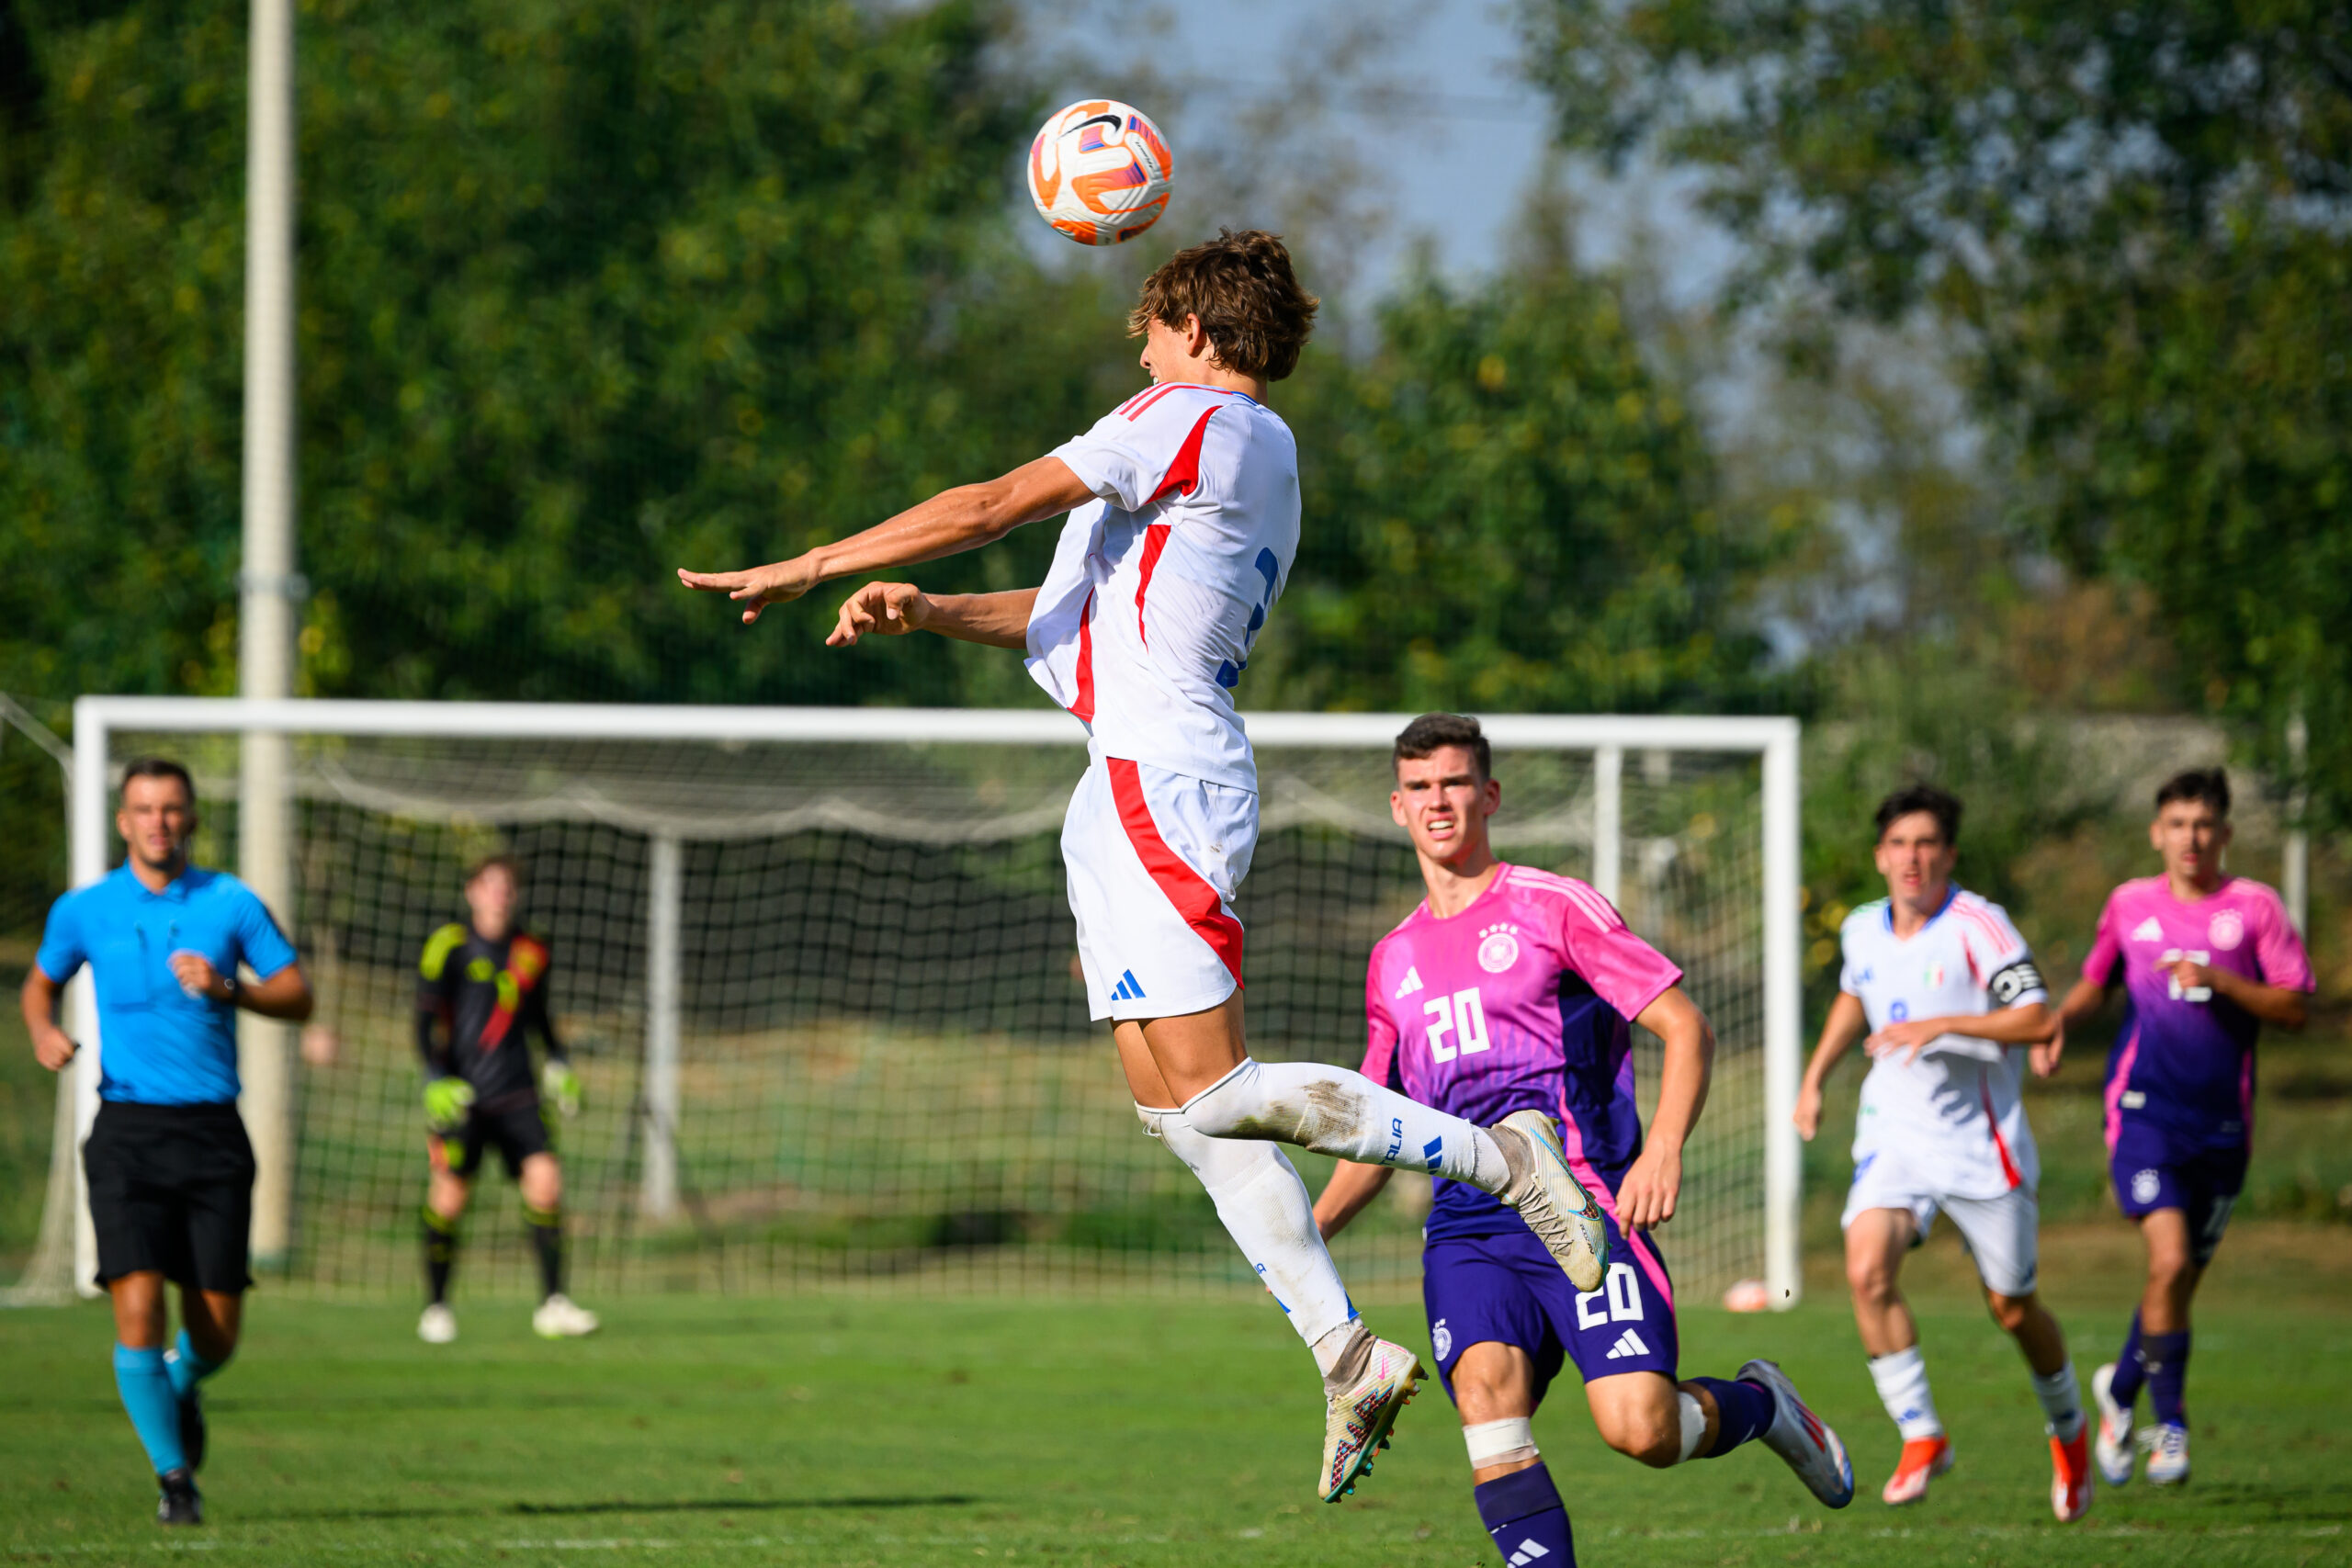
x=1508, y=1289
x=2151, y=1173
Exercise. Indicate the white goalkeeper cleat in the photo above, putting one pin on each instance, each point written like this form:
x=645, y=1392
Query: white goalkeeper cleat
x=1356, y=1424
x=438, y=1325
x=560, y=1317
x=1548, y=1195
x=2112, y=1449
x=2168, y=1445
x=1801, y=1439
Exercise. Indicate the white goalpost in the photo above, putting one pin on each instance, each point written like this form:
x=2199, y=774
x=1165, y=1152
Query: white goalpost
x=780, y=933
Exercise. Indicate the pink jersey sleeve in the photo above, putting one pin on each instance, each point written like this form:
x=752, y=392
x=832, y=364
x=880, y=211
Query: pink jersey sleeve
x=1379, y=1028
x=2103, y=964
x=1145, y=447
x=2278, y=950
x=1622, y=970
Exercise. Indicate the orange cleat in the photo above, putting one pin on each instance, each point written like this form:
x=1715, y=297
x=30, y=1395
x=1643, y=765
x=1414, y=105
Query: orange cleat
x=1923, y=1459
x=2070, y=1476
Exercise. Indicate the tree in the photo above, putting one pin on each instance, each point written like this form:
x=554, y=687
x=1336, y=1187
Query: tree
x=2137, y=218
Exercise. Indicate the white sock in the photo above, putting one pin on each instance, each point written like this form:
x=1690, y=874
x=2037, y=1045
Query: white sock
x=2061, y=1401
x=1266, y=1210
x=1335, y=1112
x=1902, y=1380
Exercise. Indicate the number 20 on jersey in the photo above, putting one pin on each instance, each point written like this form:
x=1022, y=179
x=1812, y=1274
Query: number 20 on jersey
x=1462, y=1018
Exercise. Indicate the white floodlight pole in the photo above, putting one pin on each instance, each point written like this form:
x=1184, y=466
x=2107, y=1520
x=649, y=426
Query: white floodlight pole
x=2295, y=854
x=1608, y=820
x=658, y=1190
x=266, y=591
x=1783, y=1019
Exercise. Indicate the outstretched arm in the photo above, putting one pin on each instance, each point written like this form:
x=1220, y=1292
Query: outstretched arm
x=893, y=609
x=1845, y=1023
x=953, y=521
x=1648, y=1196
x=1344, y=1196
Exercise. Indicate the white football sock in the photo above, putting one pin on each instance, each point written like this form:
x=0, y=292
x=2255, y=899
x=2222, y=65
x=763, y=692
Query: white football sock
x=1902, y=1380
x=2061, y=1401
x=1335, y=1112
x=1266, y=1210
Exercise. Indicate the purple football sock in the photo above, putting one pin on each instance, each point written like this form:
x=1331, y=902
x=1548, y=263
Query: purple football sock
x=2167, y=1357
x=1743, y=1413
x=1523, y=1512
x=2129, y=1374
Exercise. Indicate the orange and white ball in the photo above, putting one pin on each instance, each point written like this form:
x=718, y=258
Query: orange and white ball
x=1100, y=172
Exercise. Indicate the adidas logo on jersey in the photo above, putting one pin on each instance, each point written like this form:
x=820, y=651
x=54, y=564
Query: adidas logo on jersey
x=1127, y=989
x=1412, y=983
x=2148, y=931
x=1628, y=1344
x=1529, y=1550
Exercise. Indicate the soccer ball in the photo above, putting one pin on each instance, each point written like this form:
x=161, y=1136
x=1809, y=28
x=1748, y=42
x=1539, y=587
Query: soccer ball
x=1100, y=171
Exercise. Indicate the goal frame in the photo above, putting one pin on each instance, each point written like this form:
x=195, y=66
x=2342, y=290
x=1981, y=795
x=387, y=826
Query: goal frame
x=97, y=719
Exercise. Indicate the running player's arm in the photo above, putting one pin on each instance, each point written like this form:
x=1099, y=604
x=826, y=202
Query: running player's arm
x=893, y=609
x=1352, y=1185
x=1845, y=1023
x=963, y=518
x=1647, y=1195
x=279, y=988
x=2102, y=973
x=2282, y=1006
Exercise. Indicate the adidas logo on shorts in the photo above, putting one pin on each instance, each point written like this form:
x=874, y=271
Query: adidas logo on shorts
x=1628, y=1344
x=1126, y=990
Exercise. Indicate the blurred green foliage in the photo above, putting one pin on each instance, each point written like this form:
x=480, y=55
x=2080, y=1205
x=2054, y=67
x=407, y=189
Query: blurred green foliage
x=2139, y=218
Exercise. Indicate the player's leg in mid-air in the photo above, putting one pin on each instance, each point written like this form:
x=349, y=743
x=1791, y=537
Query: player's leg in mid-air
x=2182, y=1207
x=1876, y=1239
x=1503, y=1322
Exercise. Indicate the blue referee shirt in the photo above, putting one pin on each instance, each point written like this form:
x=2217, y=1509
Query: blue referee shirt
x=158, y=1044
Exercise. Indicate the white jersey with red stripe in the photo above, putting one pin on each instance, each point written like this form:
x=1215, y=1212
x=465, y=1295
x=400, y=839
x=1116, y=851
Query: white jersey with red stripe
x=1159, y=587
x=1954, y=1110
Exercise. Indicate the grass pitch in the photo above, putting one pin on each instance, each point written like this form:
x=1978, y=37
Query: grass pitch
x=814, y=1430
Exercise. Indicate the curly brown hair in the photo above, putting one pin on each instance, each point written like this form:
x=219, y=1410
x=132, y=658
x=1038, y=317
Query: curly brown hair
x=1249, y=302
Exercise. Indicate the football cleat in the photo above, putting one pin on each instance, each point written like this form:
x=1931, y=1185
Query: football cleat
x=558, y=1317
x=2113, y=1447
x=2168, y=1445
x=1923, y=1459
x=2071, y=1486
x=438, y=1325
x=1356, y=1424
x=1548, y=1195
x=1801, y=1439
x=178, y=1504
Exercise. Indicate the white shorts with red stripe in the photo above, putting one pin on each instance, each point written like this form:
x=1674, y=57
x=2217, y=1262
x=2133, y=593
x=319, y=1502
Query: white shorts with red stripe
x=2003, y=1233
x=1154, y=861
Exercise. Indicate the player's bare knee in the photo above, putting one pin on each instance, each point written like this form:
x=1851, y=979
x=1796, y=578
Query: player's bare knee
x=448, y=1195
x=2012, y=1313
x=542, y=1182
x=1871, y=1279
x=1654, y=1439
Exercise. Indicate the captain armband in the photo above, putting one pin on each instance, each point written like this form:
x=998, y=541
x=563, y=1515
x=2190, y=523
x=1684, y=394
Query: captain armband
x=2019, y=979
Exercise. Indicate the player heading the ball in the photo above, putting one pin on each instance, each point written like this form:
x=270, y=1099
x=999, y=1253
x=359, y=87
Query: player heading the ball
x=1184, y=517
x=2204, y=959
x=1946, y=992
x=1509, y=993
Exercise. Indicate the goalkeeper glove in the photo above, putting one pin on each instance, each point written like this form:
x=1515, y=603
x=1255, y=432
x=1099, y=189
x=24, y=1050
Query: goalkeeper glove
x=447, y=1103
x=558, y=1083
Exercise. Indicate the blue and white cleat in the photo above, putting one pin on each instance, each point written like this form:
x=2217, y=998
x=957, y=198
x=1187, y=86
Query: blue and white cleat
x=2113, y=1449
x=1803, y=1438
x=1548, y=1195
x=1356, y=1424
x=2167, y=1447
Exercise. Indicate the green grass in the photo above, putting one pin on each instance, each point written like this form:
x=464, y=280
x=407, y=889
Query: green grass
x=846, y=1430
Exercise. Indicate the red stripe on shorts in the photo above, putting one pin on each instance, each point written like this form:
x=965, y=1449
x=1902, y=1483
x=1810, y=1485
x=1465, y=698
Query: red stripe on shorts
x=1187, y=888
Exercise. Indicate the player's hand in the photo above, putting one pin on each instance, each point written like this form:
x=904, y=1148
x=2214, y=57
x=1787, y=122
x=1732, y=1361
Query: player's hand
x=559, y=1084
x=2044, y=1058
x=885, y=609
x=778, y=583
x=1911, y=1037
x=198, y=979
x=1808, y=1112
x=448, y=1101
x=2187, y=974
x=54, y=1049
x=1647, y=1196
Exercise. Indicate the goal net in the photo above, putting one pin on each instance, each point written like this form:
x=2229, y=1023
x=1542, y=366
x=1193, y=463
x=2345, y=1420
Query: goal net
x=817, y=971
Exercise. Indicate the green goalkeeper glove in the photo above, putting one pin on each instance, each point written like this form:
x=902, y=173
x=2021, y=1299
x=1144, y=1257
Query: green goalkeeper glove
x=558, y=1083
x=447, y=1103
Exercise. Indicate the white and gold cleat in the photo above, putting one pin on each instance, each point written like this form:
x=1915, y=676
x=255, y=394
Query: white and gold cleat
x=1548, y=1195
x=560, y=1317
x=1356, y=1424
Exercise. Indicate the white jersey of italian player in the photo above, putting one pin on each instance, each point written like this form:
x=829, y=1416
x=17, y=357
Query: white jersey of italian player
x=1160, y=586
x=1950, y=1117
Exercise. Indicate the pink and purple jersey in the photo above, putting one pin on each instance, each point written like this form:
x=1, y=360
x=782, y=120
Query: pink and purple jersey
x=1519, y=1002
x=2183, y=1060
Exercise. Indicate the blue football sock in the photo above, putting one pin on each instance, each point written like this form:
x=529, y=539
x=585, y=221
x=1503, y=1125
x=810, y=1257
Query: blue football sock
x=2165, y=1355
x=2124, y=1387
x=186, y=1368
x=1523, y=1512
x=154, y=1409
x=1743, y=1413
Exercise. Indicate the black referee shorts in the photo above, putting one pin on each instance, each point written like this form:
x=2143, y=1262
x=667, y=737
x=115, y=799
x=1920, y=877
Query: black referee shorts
x=172, y=1191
